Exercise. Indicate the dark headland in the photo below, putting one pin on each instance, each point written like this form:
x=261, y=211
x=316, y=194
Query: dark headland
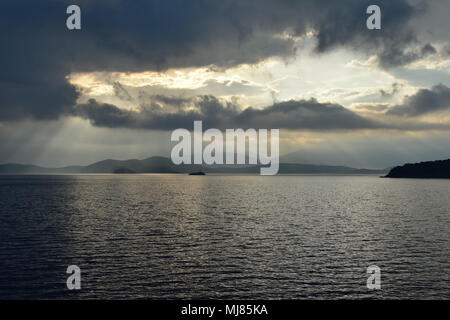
x=198, y=173
x=439, y=169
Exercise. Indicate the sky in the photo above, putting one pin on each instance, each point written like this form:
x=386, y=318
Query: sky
x=340, y=94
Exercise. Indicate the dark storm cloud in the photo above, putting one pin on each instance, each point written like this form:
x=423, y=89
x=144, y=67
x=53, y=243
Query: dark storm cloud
x=305, y=114
x=35, y=99
x=396, y=55
x=302, y=114
x=170, y=112
x=37, y=52
x=154, y=115
x=423, y=102
x=343, y=28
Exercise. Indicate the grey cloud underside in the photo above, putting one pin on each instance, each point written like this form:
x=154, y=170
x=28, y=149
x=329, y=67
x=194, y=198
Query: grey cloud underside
x=424, y=101
x=302, y=114
x=172, y=112
x=37, y=52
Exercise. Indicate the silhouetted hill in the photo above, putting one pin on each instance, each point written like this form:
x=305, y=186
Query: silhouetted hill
x=439, y=169
x=165, y=165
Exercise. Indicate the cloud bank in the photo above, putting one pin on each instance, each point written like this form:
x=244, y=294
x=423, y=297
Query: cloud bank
x=424, y=101
x=37, y=52
x=216, y=113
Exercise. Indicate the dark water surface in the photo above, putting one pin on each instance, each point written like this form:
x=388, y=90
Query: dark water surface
x=179, y=236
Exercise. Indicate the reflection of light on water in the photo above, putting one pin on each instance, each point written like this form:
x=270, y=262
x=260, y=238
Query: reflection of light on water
x=180, y=236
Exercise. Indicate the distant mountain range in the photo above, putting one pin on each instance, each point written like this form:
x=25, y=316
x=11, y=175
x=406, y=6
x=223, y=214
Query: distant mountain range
x=165, y=165
x=439, y=169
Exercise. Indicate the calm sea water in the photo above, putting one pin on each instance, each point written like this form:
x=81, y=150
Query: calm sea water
x=225, y=237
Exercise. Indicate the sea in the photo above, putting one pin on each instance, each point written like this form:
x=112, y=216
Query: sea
x=173, y=236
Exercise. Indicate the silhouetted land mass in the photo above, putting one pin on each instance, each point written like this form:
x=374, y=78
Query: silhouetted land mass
x=165, y=165
x=439, y=169
x=199, y=173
